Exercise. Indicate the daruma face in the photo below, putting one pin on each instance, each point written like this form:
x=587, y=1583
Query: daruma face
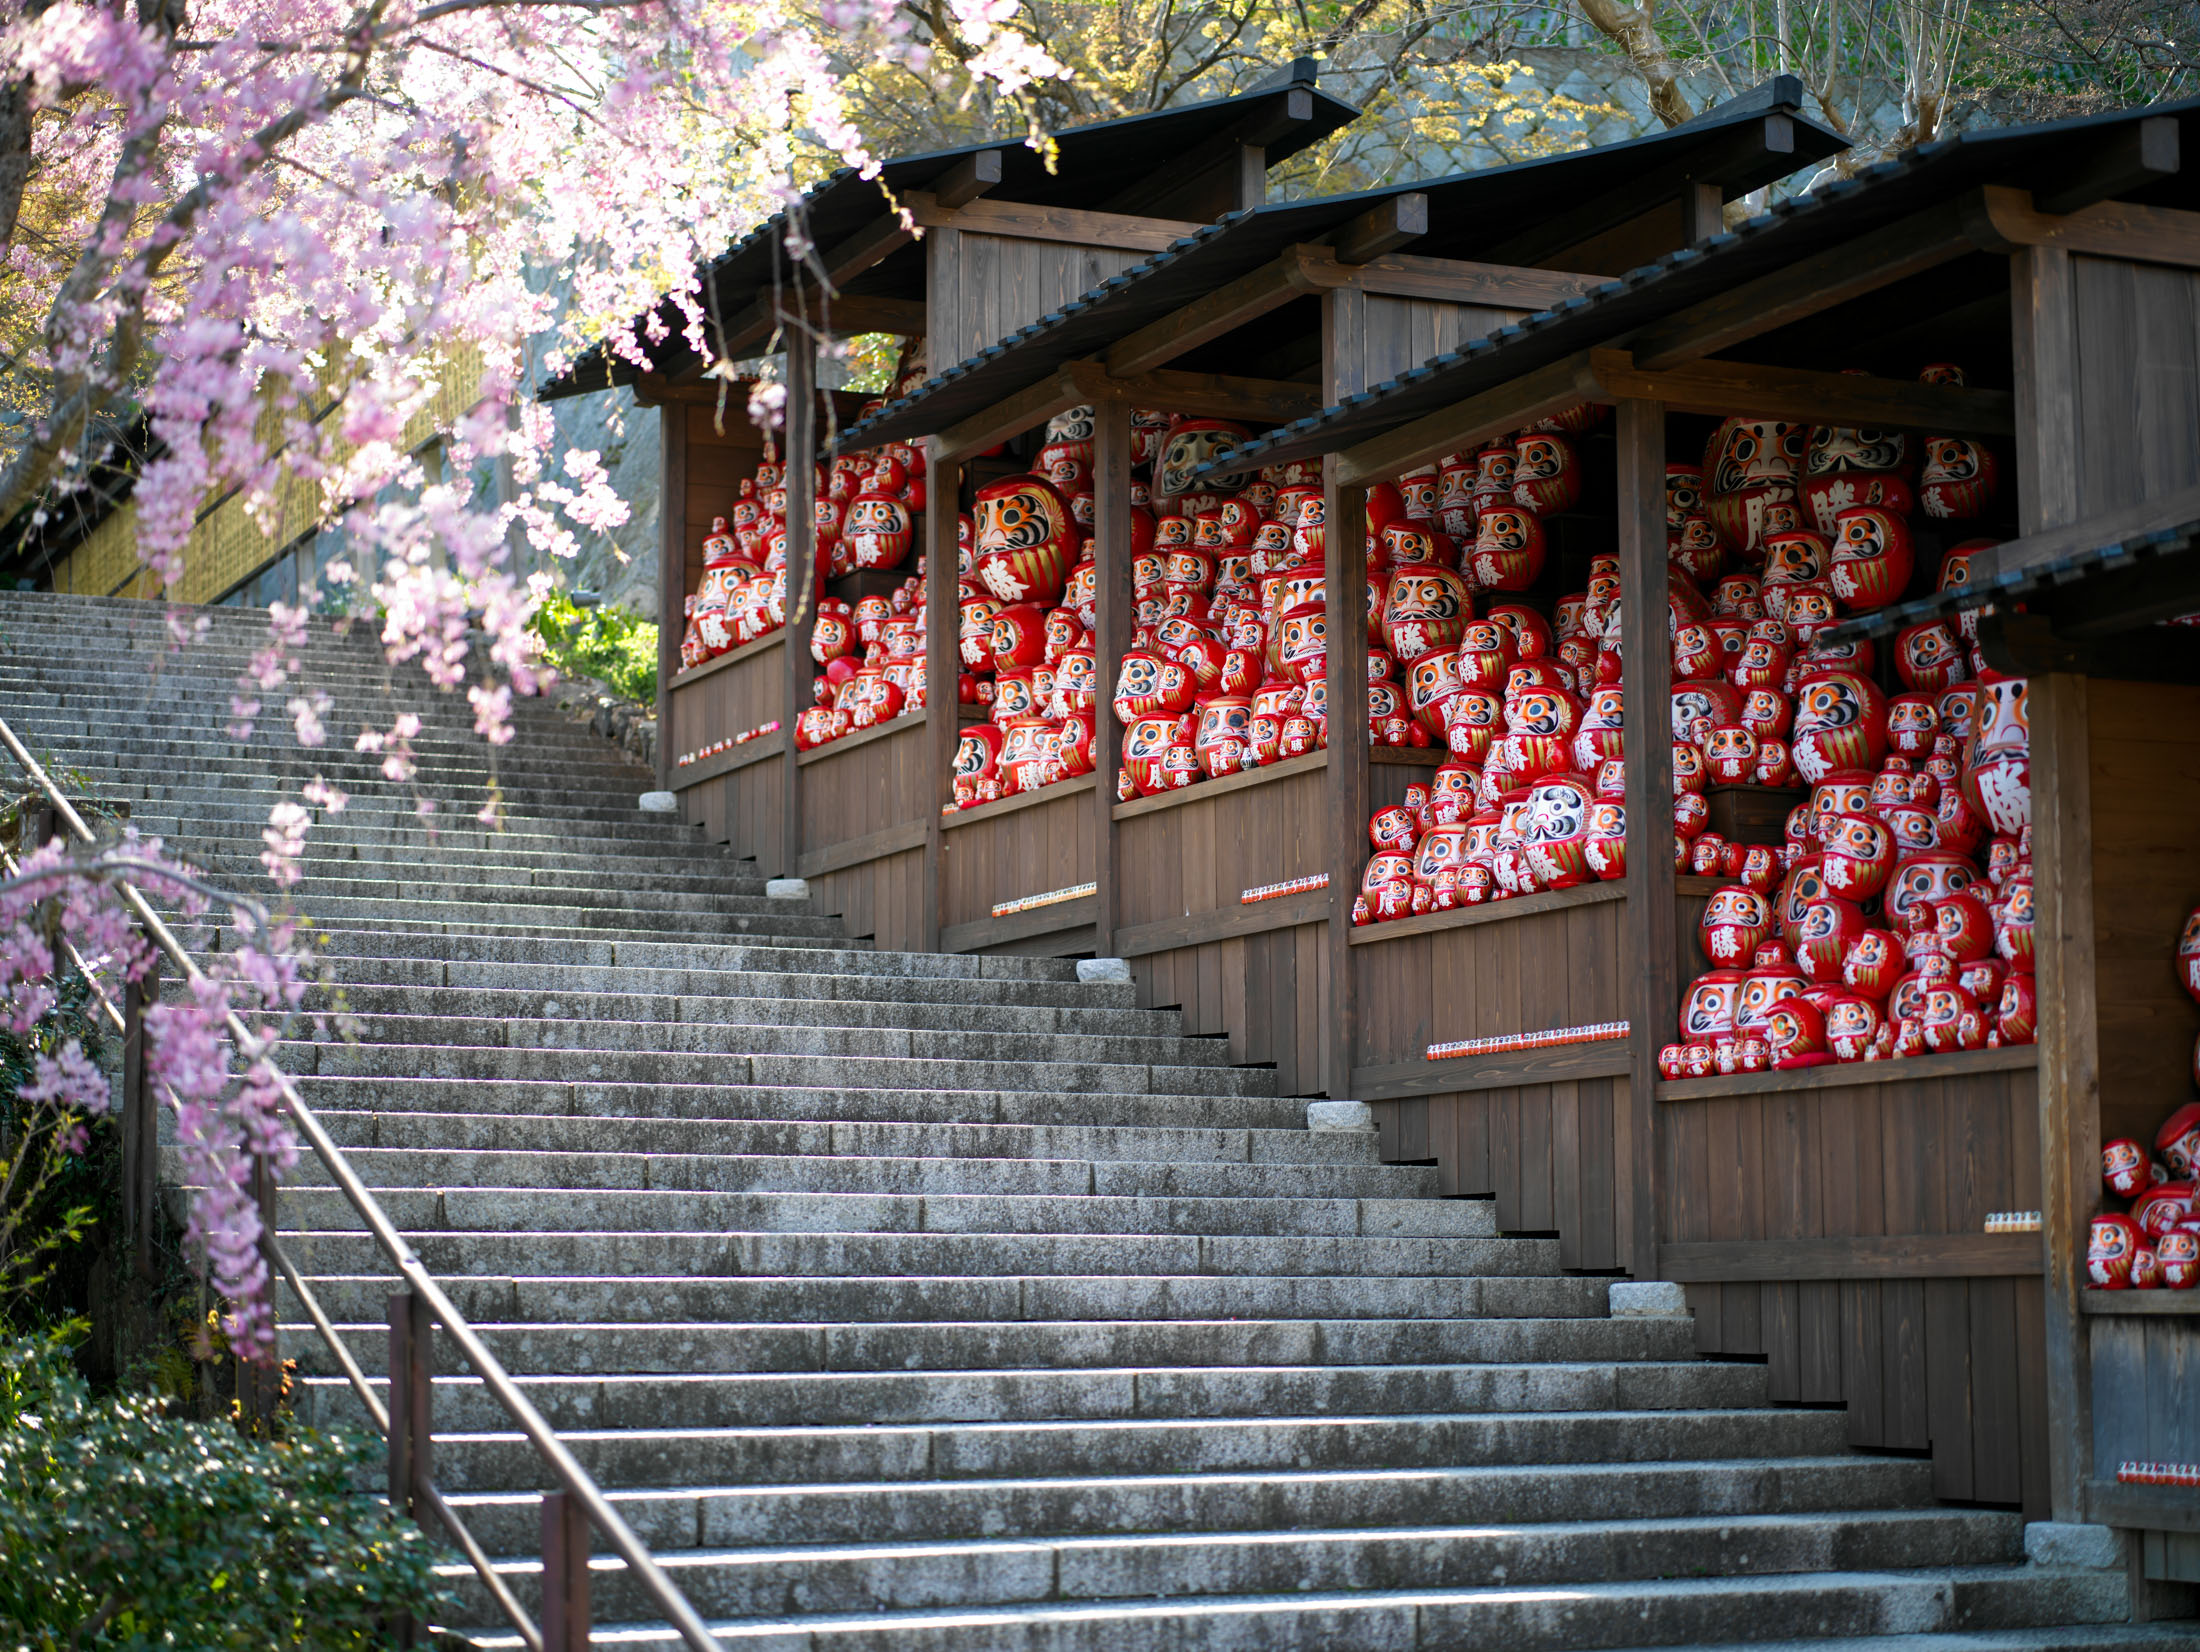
x=1024, y=540
x=1190, y=445
x=1872, y=557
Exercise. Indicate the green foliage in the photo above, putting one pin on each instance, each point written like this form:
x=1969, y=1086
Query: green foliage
x=122, y=1528
x=58, y=1171
x=610, y=644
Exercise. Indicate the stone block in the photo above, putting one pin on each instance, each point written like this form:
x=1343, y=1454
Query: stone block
x=1647, y=1299
x=2067, y=1543
x=1339, y=1115
x=787, y=889
x=660, y=803
x=1103, y=969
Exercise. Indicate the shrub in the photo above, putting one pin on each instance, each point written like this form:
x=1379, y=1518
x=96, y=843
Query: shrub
x=612, y=645
x=121, y=1527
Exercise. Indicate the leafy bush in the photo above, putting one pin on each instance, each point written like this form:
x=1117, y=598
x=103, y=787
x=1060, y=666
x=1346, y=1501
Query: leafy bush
x=612, y=645
x=123, y=1528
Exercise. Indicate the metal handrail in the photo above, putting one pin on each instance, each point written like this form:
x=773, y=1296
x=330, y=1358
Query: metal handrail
x=570, y=1474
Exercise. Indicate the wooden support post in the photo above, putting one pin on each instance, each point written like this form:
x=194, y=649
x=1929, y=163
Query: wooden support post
x=2043, y=315
x=1703, y=212
x=565, y=1616
x=942, y=666
x=1651, y=924
x=260, y=1383
x=140, y=1124
x=1115, y=616
x=411, y=1442
x=1344, y=527
x=2070, y=1068
x=671, y=574
x=801, y=483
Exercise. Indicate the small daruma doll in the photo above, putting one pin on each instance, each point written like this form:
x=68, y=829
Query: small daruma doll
x=1872, y=557
x=2112, y=1242
x=1840, y=723
x=1508, y=549
x=1735, y=923
x=1026, y=540
x=1959, y=478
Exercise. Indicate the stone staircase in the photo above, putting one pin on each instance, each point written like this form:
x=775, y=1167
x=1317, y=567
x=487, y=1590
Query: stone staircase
x=908, y=1301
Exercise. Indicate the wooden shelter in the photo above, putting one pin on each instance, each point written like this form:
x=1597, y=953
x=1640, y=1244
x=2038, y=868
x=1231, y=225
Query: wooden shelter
x=1835, y=1221
x=995, y=236
x=1291, y=305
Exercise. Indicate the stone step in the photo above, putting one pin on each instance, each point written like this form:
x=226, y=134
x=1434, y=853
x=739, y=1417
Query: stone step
x=520, y=1132
x=209, y=763
x=808, y=1104
x=467, y=947
x=639, y=839
x=701, y=1255
x=1523, y=1618
x=540, y=1002
x=683, y=1067
x=536, y=922
x=545, y=1211
x=730, y=1038
x=821, y=1462
x=704, y=1347
x=811, y=1399
x=628, y=1300
x=739, y=1516
x=879, y=977
x=389, y=1169
x=920, y=1575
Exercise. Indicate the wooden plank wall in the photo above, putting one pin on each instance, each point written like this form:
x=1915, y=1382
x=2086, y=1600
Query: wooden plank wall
x=1400, y=333
x=1028, y=845
x=1950, y=1365
x=1190, y=859
x=1548, y=1153
x=868, y=790
x=1000, y=283
x=2138, y=382
x=2144, y=746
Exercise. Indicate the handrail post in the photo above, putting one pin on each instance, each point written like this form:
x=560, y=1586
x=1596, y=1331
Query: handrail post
x=412, y=1455
x=140, y=1122
x=565, y=1618
x=260, y=1385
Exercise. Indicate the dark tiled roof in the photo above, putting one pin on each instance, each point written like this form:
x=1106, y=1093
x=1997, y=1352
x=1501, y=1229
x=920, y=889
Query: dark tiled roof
x=1836, y=213
x=1093, y=163
x=1462, y=208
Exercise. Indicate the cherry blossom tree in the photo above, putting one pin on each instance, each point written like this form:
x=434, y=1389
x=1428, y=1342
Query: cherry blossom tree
x=276, y=231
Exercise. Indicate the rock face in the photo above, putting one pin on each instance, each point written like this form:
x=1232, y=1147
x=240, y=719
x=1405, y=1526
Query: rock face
x=915, y=1301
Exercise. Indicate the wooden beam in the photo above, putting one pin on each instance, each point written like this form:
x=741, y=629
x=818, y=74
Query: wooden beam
x=1801, y=289
x=754, y=323
x=1235, y=159
x=2028, y=645
x=1051, y=395
x=1023, y=221
x=983, y=933
x=1744, y=147
x=1384, y=227
x=967, y=179
x=1464, y=281
x=1227, y=923
x=1212, y=395
x=1724, y=387
x=1454, y=428
x=2005, y=219
x=800, y=454
x=1224, y=310
x=1703, y=212
x=2125, y=158
x=1567, y=1064
x=856, y=851
x=672, y=588
x=1865, y=1256
x=1650, y=923
x=1345, y=528
x=942, y=666
x=1115, y=618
